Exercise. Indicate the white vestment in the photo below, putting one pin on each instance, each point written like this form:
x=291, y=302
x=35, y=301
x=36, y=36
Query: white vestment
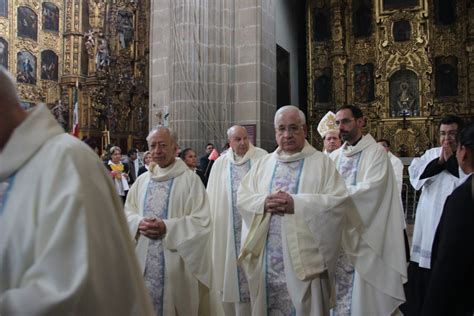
x=310, y=236
x=435, y=190
x=397, y=165
x=227, y=224
x=375, y=247
x=186, y=242
x=64, y=243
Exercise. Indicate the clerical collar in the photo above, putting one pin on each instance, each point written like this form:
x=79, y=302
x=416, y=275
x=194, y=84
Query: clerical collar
x=357, y=141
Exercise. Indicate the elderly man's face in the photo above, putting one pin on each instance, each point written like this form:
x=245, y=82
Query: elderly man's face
x=239, y=141
x=162, y=148
x=332, y=141
x=290, y=132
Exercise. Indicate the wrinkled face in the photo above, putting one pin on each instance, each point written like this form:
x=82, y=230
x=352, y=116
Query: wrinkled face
x=447, y=135
x=147, y=159
x=239, y=141
x=116, y=156
x=350, y=128
x=385, y=146
x=332, y=141
x=290, y=132
x=190, y=159
x=162, y=148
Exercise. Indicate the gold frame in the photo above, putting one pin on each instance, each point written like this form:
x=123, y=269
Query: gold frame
x=422, y=7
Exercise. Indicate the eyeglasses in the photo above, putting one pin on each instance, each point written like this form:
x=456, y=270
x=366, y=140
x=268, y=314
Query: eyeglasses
x=291, y=129
x=448, y=133
x=344, y=122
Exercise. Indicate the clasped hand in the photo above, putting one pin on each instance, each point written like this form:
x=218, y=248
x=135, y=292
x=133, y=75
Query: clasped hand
x=152, y=227
x=279, y=203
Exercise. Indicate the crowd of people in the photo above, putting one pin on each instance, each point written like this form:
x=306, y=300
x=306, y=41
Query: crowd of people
x=293, y=232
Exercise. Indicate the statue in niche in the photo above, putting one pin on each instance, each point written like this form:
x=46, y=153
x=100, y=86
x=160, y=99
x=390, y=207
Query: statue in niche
x=404, y=94
x=141, y=117
x=362, y=18
x=60, y=113
x=111, y=118
x=89, y=42
x=364, y=91
x=446, y=76
x=3, y=53
x=102, y=55
x=125, y=28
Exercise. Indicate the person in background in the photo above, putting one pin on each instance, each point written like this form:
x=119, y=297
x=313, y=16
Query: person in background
x=133, y=164
x=450, y=289
x=437, y=173
x=293, y=201
x=205, y=164
x=64, y=246
x=146, y=163
x=168, y=215
x=227, y=225
x=371, y=267
x=118, y=171
x=329, y=132
x=188, y=155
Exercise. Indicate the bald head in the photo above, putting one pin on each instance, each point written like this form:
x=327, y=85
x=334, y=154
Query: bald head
x=11, y=113
x=238, y=140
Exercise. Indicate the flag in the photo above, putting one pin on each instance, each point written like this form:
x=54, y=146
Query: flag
x=75, y=113
x=214, y=155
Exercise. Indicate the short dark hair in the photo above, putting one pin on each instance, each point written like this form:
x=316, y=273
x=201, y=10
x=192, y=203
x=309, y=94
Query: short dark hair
x=452, y=119
x=356, y=111
x=466, y=137
x=183, y=153
x=385, y=141
x=132, y=151
x=210, y=144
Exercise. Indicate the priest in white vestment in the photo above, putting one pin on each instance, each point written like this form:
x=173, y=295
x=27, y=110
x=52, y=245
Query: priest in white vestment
x=168, y=214
x=64, y=243
x=329, y=133
x=227, y=226
x=396, y=162
x=371, y=267
x=293, y=201
x=437, y=173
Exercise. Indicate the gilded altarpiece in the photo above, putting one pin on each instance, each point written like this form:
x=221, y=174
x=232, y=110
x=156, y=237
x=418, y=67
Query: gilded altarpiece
x=390, y=70
x=92, y=51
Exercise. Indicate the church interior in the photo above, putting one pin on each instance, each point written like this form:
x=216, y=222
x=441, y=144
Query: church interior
x=115, y=68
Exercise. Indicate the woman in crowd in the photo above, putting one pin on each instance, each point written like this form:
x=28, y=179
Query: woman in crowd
x=146, y=163
x=189, y=157
x=118, y=172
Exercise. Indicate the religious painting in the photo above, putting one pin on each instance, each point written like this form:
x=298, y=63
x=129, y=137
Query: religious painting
x=322, y=24
x=323, y=87
x=4, y=8
x=404, y=94
x=446, y=76
x=3, y=52
x=125, y=28
x=362, y=18
x=50, y=17
x=445, y=12
x=27, y=23
x=399, y=4
x=26, y=68
x=364, y=90
x=27, y=105
x=49, y=65
x=283, y=77
x=401, y=31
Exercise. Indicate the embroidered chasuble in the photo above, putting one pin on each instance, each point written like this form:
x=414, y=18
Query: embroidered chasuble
x=156, y=205
x=286, y=178
x=344, y=268
x=237, y=172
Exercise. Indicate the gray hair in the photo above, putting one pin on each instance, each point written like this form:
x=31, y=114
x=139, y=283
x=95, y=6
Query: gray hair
x=231, y=130
x=289, y=108
x=160, y=128
x=8, y=89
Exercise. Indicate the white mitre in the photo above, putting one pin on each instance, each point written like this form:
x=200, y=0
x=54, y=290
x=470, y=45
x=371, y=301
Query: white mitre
x=327, y=124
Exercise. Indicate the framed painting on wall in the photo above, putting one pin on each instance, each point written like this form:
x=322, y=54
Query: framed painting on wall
x=385, y=7
x=27, y=23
